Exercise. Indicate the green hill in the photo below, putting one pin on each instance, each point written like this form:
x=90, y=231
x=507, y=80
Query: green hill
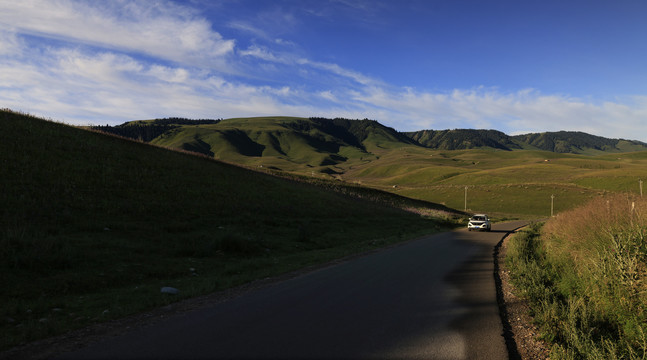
x=329, y=145
x=92, y=226
x=461, y=139
x=576, y=142
x=565, y=142
x=284, y=143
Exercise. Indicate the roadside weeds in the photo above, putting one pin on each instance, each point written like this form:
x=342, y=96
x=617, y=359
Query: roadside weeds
x=521, y=335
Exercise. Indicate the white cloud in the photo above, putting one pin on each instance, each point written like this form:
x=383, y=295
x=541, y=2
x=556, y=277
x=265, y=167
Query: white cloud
x=328, y=95
x=81, y=87
x=165, y=31
x=263, y=54
x=101, y=69
x=335, y=69
x=10, y=45
x=284, y=42
x=177, y=75
x=248, y=28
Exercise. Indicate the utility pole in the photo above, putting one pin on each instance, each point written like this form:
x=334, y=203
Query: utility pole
x=465, y=198
x=641, y=187
x=552, y=205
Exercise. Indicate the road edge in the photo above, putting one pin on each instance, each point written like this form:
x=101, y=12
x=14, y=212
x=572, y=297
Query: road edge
x=521, y=335
x=508, y=334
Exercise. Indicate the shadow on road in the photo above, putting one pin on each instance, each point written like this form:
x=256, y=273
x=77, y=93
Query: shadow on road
x=474, y=294
x=493, y=231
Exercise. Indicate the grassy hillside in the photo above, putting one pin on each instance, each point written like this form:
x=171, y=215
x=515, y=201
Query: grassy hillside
x=576, y=142
x=92, y=226
x=367, y=135
x=504, y=174
x=567, y=142
x=584, y=276
x=460, y=139
x=288, y=144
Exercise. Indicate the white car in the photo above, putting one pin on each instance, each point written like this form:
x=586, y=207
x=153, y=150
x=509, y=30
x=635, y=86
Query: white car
x=479, y=222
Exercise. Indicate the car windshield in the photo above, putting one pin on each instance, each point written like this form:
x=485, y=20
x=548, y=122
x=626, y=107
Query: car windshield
x=478, y=218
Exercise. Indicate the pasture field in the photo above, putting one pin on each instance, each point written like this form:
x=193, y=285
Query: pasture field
x=516, y=183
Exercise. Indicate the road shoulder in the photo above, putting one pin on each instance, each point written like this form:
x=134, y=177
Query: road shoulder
x=522, y=336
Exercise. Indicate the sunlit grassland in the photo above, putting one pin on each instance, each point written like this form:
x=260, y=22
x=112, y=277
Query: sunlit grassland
x=92, y=226
x=510, y=182
x=528, y=200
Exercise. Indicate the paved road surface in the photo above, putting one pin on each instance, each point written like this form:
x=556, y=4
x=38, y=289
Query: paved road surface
x=432, y=298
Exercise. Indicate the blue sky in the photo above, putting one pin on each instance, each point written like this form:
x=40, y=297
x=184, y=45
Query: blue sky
x=514, y=66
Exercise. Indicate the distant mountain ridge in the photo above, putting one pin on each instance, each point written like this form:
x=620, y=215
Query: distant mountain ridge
x=147, y=130
x=324, y=142
x=578, y=142
x=574, y=142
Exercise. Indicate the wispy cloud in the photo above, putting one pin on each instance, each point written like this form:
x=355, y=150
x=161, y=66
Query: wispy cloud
x=106, y=87
x=10, y=45
x=168, y=32
x=364, y=12
x=339, y=71
x=265, y=54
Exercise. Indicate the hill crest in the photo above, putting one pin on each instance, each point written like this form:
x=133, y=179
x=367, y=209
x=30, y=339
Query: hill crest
x=325, y=135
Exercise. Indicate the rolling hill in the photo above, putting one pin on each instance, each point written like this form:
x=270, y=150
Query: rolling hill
x=282, y=143
x=257, y=137
x=460, y=139
x=564, y=142
x=507, y=174
x=576, y=142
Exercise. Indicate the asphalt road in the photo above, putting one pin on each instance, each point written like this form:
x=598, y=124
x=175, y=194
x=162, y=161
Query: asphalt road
x=432, y=298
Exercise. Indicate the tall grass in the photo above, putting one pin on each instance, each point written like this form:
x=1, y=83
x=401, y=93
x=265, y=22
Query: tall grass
x=585, y=279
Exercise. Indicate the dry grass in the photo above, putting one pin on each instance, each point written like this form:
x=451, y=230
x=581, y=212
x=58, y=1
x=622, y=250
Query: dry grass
x=587, y=232
x=585, y=276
